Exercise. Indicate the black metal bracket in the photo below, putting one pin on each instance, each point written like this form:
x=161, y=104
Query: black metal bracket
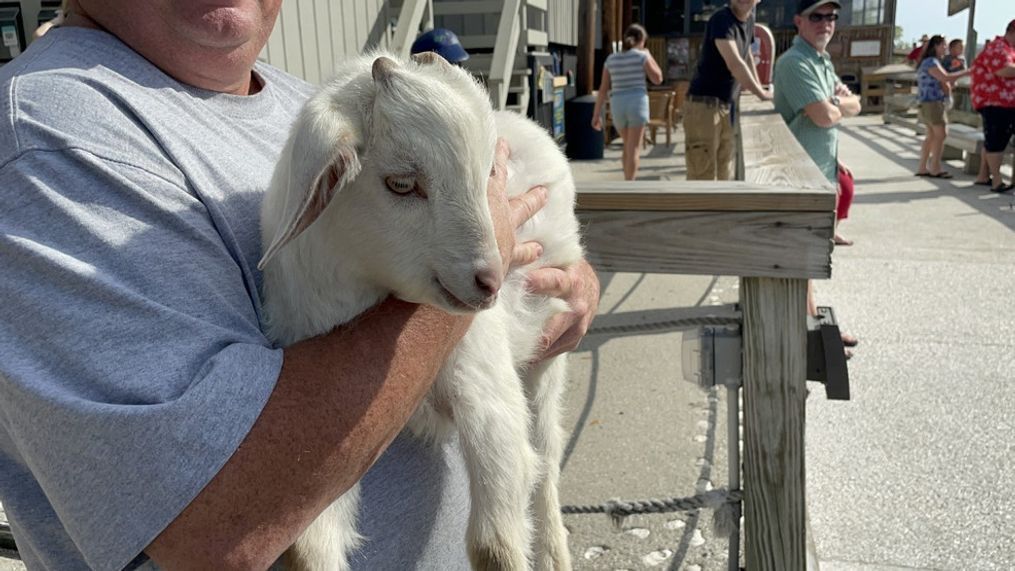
x=826, y=356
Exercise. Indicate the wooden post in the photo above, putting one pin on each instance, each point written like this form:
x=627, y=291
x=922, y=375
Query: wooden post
x=609, y=25
x=775, y=364
x=586, y=64
x=971, y=34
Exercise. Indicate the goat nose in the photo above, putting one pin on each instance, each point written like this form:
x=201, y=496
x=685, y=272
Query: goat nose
x=488, y=282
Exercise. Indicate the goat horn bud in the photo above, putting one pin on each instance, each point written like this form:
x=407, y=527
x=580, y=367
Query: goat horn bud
x=382, y=69
x=427, y=58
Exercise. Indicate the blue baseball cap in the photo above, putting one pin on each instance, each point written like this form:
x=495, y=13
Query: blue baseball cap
x=442, y=41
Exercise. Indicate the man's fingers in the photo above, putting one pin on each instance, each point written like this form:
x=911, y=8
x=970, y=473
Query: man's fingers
x=551, y=282
x=502, y=153
x=525, y=206
x=525, y=254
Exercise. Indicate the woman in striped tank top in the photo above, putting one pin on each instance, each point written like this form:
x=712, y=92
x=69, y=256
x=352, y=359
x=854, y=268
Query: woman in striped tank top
x=624, y=76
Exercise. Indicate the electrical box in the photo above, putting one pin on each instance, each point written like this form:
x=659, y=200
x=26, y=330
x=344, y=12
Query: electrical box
x=712, y=355
x=12, y=31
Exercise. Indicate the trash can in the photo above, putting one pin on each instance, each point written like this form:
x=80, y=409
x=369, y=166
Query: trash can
x=583, y=142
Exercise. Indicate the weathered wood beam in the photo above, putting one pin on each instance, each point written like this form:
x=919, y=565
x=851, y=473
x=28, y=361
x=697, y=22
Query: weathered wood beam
x=725, y=196
x=775, y=361
x=770, y=244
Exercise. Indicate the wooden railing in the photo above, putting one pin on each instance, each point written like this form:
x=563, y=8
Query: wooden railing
x=774, y=230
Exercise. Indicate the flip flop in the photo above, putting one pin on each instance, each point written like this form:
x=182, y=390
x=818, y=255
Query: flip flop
x=1001, y=189
x=849, y=340
x=987, y=182
x=922, y=174
x=842, y=241
x=942, y=174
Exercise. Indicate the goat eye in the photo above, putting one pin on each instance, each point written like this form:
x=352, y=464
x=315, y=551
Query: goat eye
x=400, y=184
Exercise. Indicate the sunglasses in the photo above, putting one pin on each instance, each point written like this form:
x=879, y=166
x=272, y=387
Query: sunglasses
x=826, y=17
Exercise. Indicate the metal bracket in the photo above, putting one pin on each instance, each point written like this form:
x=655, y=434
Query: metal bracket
x=826, y=356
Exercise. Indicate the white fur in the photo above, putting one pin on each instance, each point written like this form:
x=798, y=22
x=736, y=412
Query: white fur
x=429, y=122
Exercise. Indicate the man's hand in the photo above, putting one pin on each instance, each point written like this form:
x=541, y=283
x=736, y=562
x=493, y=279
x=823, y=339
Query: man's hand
x=509, y=215
x=578, y=285
x=842, y=90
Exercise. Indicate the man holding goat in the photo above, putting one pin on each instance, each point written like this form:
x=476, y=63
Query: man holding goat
x=145, y=422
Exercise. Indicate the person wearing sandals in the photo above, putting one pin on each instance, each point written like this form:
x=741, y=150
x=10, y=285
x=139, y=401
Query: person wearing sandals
x=993, y=95
x=934, y=86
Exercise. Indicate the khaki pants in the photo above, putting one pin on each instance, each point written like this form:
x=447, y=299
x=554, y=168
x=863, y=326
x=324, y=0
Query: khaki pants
x=708, y=135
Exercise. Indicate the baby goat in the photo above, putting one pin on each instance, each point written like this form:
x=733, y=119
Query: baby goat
x=381, y=190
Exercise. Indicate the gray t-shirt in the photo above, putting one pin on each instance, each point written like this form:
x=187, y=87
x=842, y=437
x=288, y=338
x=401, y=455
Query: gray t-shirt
x=132, y=362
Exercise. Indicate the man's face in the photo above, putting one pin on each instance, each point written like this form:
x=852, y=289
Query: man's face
x=210, y=24
x=818, y=33
x=192, y=40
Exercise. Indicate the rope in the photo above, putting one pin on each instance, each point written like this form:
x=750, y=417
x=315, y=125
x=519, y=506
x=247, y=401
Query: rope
x=619, y=509
x=659, y=325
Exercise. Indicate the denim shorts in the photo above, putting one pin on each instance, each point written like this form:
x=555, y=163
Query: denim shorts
x=629, y=108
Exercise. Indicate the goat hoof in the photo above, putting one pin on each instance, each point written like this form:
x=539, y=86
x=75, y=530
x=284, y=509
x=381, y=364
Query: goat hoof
x=495, y=558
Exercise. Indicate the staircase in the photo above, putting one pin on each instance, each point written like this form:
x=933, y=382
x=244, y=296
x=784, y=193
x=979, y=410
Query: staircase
x=499, y=36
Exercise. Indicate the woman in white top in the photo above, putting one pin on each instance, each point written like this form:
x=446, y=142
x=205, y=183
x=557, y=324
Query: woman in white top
x=624, y=76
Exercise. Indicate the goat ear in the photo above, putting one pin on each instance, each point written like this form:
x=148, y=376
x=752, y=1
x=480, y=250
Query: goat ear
x=321, y=161
x=383, y=70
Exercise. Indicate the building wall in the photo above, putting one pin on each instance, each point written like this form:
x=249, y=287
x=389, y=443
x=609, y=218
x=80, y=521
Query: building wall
x=311, y=35
x=561, y=22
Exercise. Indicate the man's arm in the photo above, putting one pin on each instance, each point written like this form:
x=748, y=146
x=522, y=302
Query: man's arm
x=1006, y=71
x=754, y=69
x=826, y=114
x=739, y=69
x=340, y=400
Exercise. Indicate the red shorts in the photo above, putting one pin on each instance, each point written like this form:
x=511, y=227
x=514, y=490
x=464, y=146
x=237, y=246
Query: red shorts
x=845, y=197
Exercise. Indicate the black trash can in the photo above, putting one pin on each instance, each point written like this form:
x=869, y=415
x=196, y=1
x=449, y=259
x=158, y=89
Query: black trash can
x=583, y=142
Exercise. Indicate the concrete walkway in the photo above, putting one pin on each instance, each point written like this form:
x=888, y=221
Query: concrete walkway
x=916, y=472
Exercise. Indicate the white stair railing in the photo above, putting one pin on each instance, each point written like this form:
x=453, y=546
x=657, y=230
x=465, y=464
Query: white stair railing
x=409, y=19
x=509, y=30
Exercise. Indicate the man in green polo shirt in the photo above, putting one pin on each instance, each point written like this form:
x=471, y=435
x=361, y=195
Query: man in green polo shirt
x=812, y=100
x=808, y=93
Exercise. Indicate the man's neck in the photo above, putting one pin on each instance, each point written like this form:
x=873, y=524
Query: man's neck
x=247, y=84
x=820, y=50
x=740, y=16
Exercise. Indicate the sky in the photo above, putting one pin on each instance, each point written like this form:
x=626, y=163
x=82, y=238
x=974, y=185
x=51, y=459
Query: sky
x=919, y=17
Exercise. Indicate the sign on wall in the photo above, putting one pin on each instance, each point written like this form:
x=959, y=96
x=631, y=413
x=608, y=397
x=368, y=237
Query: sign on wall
x=956, y=6
x=865, y=48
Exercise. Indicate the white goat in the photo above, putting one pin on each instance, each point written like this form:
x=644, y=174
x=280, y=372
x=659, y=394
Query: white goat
x=392, y=160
